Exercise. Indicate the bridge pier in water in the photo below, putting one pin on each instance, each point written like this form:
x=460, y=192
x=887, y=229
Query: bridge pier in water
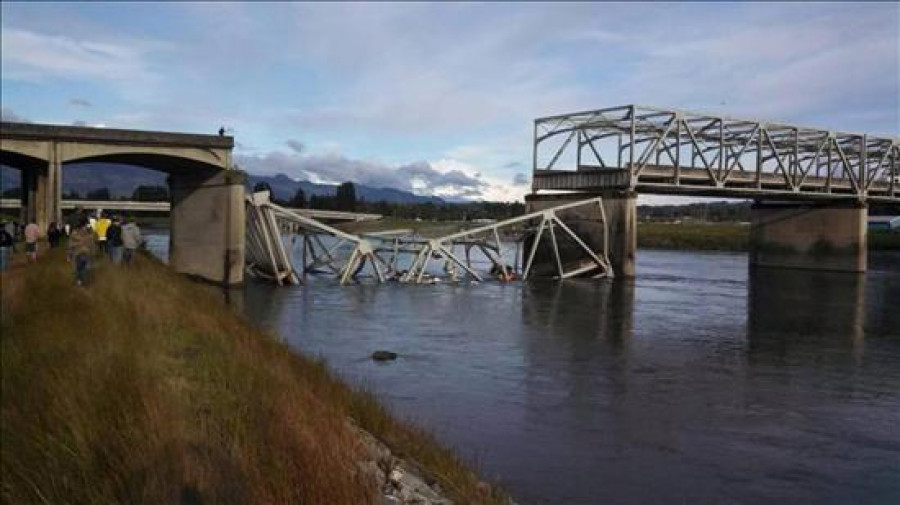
x=621, y=221
x=823, y=236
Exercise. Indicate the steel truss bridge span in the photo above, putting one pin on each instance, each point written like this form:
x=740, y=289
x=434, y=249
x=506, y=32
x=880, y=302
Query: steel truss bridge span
x=507, y=248
x=654, y=150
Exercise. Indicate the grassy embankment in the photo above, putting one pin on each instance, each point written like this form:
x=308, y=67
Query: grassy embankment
x=725, y=237
x=705, y=236
x=145, y=388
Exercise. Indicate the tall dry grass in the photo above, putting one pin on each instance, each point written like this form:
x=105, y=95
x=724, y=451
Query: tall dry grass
x=145, y=388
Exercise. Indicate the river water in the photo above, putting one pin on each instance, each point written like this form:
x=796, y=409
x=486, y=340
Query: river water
x=697, y=382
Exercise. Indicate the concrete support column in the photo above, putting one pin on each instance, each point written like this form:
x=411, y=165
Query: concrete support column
x=621, y=217
x=54, y=187
x=28, y=182
x=621, y=221
x=207, y=226
x=36, y=198
x=828, y=236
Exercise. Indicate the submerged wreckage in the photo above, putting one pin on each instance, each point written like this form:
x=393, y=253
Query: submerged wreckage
x=538, y=244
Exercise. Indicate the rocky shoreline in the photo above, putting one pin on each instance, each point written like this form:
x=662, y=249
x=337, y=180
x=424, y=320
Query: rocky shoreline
x=400, y=482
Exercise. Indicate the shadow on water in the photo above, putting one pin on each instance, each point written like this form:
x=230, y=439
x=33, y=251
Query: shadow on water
x=798, y=311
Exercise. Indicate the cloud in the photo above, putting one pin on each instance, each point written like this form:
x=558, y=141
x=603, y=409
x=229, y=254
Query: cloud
x=296, y=146
x=456, y=85
x=520, y=179
x=33, y=56
x=80, y=102
x=420, y=177
x=7, y=114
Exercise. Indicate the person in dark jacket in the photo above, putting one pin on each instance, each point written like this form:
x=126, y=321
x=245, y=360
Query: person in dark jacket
x=53, y=235
x=7, y=242
x=114, y=240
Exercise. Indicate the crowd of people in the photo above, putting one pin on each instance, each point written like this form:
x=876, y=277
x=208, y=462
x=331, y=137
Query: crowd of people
x=89, y=236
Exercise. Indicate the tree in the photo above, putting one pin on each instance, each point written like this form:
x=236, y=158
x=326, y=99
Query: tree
x=12, y=192
x=263, y=186
x=299, y=199
x=145, y=193
x=99, y=194
x=345, y=199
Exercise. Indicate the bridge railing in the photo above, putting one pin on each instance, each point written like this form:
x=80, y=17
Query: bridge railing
x=635, y=147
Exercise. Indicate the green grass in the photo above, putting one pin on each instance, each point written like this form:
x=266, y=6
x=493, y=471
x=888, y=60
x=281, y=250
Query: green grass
x=699, y=236
x=726, y=237
x=145, y=388
x=883, y=241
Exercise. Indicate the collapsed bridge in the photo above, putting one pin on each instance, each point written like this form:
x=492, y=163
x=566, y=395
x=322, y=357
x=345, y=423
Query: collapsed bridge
x=506, y=250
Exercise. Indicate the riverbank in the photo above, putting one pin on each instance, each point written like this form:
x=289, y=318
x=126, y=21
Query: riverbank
x=696, y=236
x=145, y=387
x=727, y=236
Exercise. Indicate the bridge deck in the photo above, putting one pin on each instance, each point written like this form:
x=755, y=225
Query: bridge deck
x=694, y=181
x=64, y=133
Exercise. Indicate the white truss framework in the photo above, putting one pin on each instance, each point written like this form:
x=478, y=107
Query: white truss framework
x=670, y=151
x=269, y=224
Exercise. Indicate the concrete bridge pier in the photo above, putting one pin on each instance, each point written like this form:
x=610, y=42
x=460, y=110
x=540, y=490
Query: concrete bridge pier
x=621, y=218
x=825, y=236
x=41, y=192
x=207, y=225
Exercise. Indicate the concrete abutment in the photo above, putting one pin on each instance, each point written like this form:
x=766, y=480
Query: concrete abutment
x=207, y=226
x=830, y=236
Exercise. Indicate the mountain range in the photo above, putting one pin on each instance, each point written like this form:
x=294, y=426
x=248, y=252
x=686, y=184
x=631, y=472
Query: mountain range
x=121, y=180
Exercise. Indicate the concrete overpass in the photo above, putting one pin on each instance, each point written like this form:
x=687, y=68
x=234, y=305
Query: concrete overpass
x=207, y=195
x=811, y=186
x=130, y=205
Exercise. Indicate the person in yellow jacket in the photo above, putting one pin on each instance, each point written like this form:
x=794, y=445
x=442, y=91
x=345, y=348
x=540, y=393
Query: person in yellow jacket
x=100, y=229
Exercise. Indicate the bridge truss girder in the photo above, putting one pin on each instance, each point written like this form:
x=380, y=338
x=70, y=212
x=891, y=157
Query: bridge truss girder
x=658, y=150
x=267, y=256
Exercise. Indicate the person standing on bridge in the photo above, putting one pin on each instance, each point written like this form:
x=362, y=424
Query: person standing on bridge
x=114, y=241
x=31, y=238
x=131, y=239
x=81, y=249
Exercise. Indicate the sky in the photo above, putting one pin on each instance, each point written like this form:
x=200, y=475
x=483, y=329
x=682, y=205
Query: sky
x=438, y=98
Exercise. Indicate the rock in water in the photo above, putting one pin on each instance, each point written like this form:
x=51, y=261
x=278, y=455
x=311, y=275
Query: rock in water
x=384, y=356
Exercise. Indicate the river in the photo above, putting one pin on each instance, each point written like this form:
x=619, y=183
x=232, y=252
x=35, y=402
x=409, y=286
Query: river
x=697, y=382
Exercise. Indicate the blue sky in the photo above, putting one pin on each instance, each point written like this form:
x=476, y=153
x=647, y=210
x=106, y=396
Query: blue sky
x=447, y=92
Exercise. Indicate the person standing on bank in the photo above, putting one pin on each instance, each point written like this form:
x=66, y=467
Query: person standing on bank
x=54, y=234
x=114, y=241
x=100, y=228
x=131, y=239
x=81, y=249
x=31, y=238
x=7, y=242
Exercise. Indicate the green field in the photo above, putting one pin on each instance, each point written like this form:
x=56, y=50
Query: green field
x=725, y=237
x=701, y=236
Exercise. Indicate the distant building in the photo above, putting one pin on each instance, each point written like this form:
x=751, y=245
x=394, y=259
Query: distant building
x=884, y=223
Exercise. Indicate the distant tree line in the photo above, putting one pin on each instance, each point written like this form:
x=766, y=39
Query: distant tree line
x=713, y=211
x=345, y=199
x=143, y=193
